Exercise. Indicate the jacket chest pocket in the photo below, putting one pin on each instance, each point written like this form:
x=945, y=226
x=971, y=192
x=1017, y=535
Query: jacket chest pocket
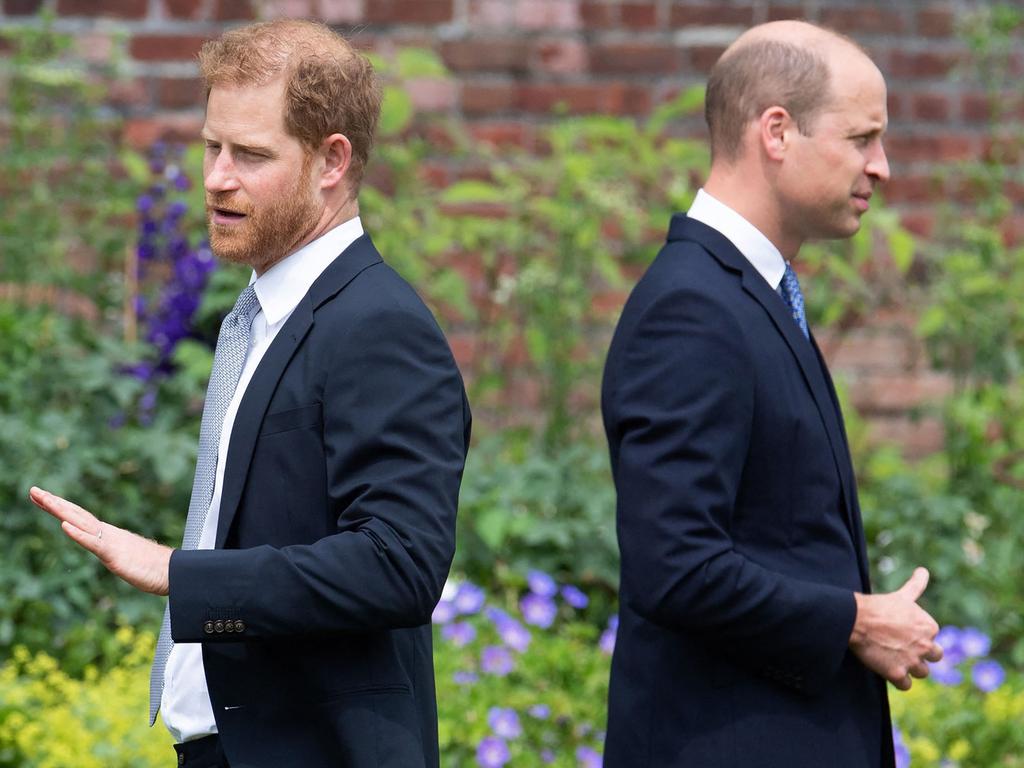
x=303, y=417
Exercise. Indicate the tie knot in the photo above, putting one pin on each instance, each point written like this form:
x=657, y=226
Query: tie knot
x=246, y=307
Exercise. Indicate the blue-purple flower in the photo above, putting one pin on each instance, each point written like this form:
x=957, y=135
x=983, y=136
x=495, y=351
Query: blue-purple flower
x=504, y=722
x=540, y=711
x=948, y=639
x=607, y=641
x=469, y=598
x=444, y=612
x=459, y=633
x=588, y=758
x=496, y=660
x=988, y=675
x=492, y=752
x=541, y=584
x=902, y=753
x=974, y=643
x=514, y=635
x=575, y=597
x=462, y=677
x=538, y=610
x=945, y=671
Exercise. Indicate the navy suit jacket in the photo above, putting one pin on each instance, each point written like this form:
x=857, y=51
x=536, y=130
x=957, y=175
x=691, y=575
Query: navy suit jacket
x=739, y=530
x=336, y=533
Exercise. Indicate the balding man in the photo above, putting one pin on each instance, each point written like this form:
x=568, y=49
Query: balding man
x=747, y=633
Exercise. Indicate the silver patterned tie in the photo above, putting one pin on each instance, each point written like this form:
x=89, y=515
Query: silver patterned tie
x=228, y=360
x=794, y=298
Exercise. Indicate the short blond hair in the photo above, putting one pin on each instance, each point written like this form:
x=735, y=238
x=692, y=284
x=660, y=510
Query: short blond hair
x=329, y=86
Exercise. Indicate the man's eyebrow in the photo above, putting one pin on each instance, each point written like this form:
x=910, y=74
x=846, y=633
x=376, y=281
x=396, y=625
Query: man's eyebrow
x=251, y=148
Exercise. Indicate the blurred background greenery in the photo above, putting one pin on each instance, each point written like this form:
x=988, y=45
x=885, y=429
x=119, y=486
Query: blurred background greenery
x=111, y=301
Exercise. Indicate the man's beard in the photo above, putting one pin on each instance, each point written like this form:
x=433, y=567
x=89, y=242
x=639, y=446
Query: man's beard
x=268, y=233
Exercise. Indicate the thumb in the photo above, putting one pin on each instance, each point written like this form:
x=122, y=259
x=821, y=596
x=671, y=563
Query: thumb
x=915, y=585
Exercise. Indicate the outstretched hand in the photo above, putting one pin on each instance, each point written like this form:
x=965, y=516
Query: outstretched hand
x=893, y=635
x=142, y=563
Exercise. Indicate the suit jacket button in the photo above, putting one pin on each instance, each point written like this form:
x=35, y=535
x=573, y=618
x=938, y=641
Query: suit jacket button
x=239, y=626
x=218, y=626
x=208, y=627
x=181, y=759
x=229, y=626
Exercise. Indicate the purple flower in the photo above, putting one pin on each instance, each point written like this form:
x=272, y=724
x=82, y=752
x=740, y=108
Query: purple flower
x=181, y=182
x=613, y=622
x=465, y=678
x=537, y=610
x=988, y=675
x=902, y=753
x=541, y=584
x=492, y=752
x=144, y=204
x=974, y=642
x=547, y=756
x=607, y=641
x=945, y=671
x=504, y=722
x=588, y=758
x=514, y=635
x=948, y=639
x=469, y=598
x=444, y=612
x=575, y=597
x=540, y=711
x=459, y=633
x=496, y=660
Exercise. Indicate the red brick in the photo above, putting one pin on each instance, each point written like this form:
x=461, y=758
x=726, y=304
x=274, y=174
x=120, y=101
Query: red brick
x=895, y=392
x=504, y=134
x=142, y=132
x=598, y=15
x=125, y=92
x=907, y=148
x=863, y=18
x=22, y=7
x=232, y=10
x=178, y=92
x=782, y=12
x=704, y=57
x=895, y=104
x=409, y=11
x=548, y=14
x=920, y=223
x=432, y=94
x=933, y=107
x=486, y=55
x=711, y=14
x=635, y=58
x=923, y=64
x=434, y=174
x=912, y=189
x=977, y=107
x=287, y=9
x=872, y=350
x=589, y=98
x=936, y=22
x=125, y=9
x=563, y=57
x=488, y=98
x=183, y=9
x=639, y=15
x=340, y=11
x=165, y=47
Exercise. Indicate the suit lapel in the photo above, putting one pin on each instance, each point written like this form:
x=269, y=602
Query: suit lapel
x=806, y=354
x=251, y=411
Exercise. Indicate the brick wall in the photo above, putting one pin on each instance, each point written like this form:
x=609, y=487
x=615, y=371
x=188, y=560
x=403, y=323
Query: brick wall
x=514, y=60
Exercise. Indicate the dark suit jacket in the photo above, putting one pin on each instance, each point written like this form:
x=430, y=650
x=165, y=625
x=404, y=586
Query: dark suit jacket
x=336, y=532
x=739, y=529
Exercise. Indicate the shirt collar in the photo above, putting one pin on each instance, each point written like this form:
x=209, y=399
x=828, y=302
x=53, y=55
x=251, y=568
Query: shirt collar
x=281, y=288
x=748, y=239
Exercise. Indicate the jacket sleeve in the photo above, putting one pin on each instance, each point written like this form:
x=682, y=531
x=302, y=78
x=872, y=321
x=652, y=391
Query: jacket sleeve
x=679, y=406
x=396, y=430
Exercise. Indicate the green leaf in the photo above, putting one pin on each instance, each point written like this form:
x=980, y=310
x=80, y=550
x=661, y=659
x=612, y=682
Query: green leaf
x=420, y=62
x=396, y=111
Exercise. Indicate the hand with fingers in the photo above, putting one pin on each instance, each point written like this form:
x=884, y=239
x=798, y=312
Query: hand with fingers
x=142, y=563
x=893, y=636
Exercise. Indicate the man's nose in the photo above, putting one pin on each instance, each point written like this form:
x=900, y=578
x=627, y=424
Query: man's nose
x=878, y=164
x=219, y=173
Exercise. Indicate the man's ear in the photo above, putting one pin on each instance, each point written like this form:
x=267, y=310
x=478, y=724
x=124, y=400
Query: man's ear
x=336, y=150
x=775, y=128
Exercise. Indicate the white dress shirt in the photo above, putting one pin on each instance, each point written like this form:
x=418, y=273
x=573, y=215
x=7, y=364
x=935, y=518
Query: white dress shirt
x=748, y=239
x=185, y=705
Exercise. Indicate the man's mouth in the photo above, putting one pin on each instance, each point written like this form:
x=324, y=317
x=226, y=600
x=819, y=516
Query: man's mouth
x=225, y=215
x=861, y=200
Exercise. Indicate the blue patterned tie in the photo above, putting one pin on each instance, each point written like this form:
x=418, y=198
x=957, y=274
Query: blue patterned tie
x=228, y=360
x=791, y=294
